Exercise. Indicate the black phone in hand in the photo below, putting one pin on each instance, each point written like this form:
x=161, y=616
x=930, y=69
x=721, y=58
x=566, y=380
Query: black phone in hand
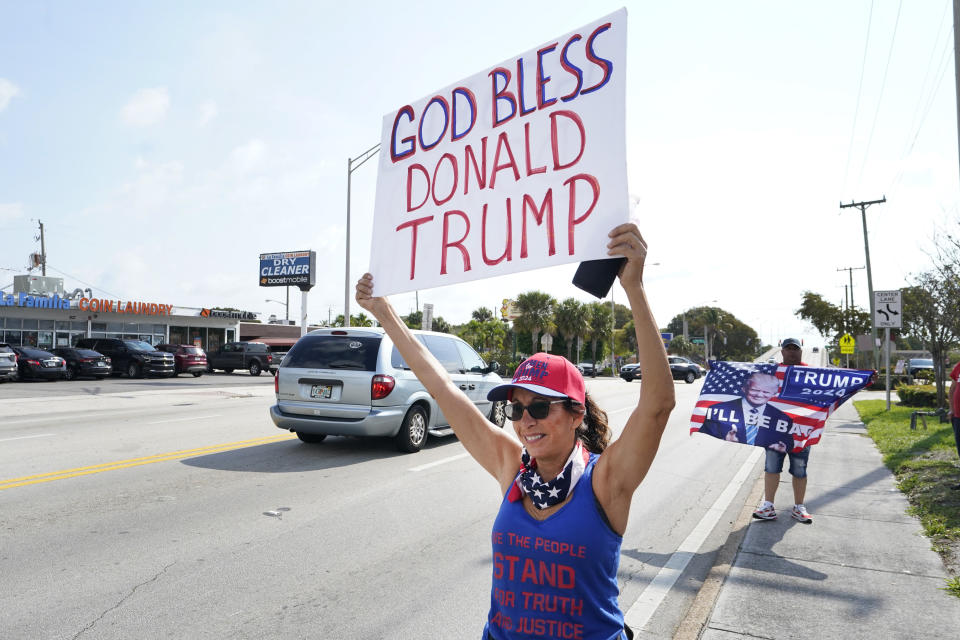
x=597, y=276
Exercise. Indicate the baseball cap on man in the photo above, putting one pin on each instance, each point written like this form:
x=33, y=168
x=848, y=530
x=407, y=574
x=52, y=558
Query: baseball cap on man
x=546, y=375
x=791, y=341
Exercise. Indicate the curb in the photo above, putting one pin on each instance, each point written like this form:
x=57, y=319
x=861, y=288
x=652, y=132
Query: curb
x=697, y=616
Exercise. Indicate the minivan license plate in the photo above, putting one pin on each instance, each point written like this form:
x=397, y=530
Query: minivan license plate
x=321, y=391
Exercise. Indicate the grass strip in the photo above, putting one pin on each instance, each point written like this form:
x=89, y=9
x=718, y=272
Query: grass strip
x=924, y=461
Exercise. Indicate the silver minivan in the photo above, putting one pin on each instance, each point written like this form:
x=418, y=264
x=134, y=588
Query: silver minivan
x=353, y=382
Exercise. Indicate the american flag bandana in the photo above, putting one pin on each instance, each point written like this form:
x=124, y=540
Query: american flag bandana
x=808, y=395
x=546, y=494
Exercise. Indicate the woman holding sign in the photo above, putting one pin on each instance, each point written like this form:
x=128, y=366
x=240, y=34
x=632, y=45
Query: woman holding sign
x=556, y=538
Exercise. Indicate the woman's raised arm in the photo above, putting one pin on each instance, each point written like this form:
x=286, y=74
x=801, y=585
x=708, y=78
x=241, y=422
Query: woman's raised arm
x=626, y=461
x=489, y=445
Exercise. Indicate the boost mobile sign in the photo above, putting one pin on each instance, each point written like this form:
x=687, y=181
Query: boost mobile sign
x=298, y=268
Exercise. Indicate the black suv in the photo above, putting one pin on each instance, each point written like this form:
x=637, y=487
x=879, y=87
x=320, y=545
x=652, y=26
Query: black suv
x=253, y=356
x=133, y=357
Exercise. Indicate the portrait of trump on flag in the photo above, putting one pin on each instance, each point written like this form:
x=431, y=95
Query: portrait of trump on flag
x=779, y=407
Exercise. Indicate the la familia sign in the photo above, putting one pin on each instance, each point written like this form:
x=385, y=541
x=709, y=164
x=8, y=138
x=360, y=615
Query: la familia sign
x=93, y=305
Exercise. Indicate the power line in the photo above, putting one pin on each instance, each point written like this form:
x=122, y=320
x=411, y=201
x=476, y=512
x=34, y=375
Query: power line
x=930, y=102
x=856, y=109
x=883, y=86
x=92, y=286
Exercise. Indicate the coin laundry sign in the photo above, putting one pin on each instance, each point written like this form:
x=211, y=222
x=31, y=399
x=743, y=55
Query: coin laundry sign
x=287, y=268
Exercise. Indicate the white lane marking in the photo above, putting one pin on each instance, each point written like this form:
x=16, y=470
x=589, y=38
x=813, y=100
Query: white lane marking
x=655, y=592
x=39, y=435
x=187, y=419
x=439, y=462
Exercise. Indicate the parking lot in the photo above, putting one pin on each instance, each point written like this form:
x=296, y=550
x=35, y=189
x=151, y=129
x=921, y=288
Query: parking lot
x=122, y=384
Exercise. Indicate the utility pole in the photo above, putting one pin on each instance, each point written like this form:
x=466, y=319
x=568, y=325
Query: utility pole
x=866, y=248
x=850, y=271
x=956, y=58
x=43, y=250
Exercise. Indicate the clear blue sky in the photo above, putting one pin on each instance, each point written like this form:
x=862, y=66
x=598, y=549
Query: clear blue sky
x=165, y=145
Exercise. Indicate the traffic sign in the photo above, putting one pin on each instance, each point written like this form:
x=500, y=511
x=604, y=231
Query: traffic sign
x=847, y=343
x=666, y=337
x=887, y=309
x=696, y=340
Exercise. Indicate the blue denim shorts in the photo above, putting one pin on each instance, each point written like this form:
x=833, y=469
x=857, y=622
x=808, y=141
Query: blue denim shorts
x=798, y=462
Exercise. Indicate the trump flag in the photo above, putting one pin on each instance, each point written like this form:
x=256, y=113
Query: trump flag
x=779, y=407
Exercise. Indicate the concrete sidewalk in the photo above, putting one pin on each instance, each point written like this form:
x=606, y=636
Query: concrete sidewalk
x=863, y=569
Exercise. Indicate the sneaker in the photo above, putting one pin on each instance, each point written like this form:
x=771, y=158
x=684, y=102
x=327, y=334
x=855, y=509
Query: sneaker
x=800, y=513
x=765, y=511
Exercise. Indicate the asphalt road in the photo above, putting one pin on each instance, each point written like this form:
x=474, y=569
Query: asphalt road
x=175, y=509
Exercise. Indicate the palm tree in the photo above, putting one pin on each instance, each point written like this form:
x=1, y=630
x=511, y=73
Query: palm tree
x=361, y=320
x=482, y=314
x=571, y=317
x=714, y=326
x=536, y=313
x=601, y=324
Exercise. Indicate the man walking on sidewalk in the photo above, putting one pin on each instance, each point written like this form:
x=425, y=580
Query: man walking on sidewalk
x=791, y=352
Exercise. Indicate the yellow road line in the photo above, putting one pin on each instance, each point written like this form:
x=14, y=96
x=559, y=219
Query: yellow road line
x=136, y=462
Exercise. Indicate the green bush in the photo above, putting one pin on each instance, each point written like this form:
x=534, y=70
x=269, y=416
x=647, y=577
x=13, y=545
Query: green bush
x=880, y=381
x=917, y=395
x=925, y=375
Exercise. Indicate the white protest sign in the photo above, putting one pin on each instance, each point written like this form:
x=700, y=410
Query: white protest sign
x=518, y=167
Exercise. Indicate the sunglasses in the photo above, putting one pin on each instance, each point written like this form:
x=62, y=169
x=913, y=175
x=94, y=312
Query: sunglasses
x=538, y=409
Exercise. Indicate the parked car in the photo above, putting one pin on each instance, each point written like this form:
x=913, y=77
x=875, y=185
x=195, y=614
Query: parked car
x=587, y=369
x=816, y=350
x=684, y=369
x=37, y=364
x=133, y=357
x=8, y=362
x=916, y=365
x=771, y=361
x=187, y=358
x=252, y=356
x=630, y=372
x=353, y=381
x=279, y=349
x=84, y=362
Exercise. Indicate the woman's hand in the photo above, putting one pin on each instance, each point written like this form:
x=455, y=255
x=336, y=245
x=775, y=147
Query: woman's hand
x=626, y=241
x=378, y=306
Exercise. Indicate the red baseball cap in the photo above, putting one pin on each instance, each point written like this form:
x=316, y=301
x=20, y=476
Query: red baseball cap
x=546, y=375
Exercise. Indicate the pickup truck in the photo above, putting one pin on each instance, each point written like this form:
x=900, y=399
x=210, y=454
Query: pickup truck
x=255, y=357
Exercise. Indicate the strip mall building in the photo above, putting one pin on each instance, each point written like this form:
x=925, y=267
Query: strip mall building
x=48, y=321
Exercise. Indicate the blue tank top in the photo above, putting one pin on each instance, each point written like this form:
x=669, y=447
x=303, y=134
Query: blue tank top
x=555, y=578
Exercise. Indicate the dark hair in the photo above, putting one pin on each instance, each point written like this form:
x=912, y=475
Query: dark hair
x=594, y=433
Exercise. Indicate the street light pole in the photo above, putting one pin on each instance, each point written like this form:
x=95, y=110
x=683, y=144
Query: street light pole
x=352, y=165
x=287, y=304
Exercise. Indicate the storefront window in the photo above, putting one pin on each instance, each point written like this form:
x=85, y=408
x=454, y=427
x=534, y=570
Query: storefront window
x=114, y=327
x=98, y=326
x=12, y=323
x=45, y=338
x=79, y=326
x=31, y=324
x=28, y=338
x=178, y=335
x=11, y=337
x=46, y=324
x=145, y=337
